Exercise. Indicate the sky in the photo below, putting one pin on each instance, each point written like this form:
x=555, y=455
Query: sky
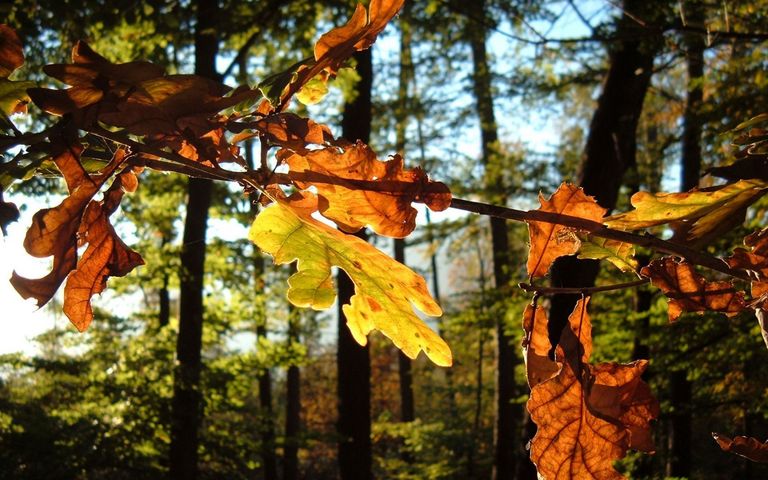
x=22, y=320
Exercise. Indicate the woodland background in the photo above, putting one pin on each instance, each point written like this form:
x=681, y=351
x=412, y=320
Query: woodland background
x=635, y=95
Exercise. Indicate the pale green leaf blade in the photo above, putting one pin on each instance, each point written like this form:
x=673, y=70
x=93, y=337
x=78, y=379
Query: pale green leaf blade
x=385, y=290
x=618, y=253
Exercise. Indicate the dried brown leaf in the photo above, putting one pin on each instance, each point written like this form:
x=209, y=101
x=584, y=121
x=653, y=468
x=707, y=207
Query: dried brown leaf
x=688, y=291
x=747, y=447
x=548, y=241
x=384, y=204
x=11, y=53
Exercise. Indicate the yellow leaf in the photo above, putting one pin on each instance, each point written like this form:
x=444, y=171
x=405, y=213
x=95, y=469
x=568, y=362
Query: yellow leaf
x=704, y=210
x=384, y=289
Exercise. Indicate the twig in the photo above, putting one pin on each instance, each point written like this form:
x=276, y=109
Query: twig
x=541, y=290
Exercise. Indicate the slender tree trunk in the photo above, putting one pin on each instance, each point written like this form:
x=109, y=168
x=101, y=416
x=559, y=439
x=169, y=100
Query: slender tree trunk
x=353, y=361
x=186, y=407
x=505, y=431
x=266, y=413
x=163, y=295
x=407, y=409
x=679, y=443
x=292, y=406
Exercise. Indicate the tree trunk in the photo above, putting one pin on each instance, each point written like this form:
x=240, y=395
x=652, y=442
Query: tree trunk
x=353, y=361
x=186, y=407
x=611, y=146
x=163, y=295
x=266, y=412
x=679, y=440
x=505, y=431
x=407, y=409
x=292, y=406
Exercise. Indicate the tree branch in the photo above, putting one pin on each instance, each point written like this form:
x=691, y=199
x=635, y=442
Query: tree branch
x=540, y=290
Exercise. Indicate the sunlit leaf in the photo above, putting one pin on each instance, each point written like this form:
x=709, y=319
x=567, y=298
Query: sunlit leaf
x=618, y=253
x=385, y=290
x=548, y=241
x=587, y=415
x=747, y=447
x=688, y=291
x=701, y=211
x=536, y=346
x=11, y=53
x=384, y=204
x=105, y=256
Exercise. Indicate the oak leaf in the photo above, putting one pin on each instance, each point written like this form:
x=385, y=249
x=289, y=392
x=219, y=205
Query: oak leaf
x=11, y=52
x=58, y=232
x=385, y=290
x=106, y=254
x=384, y=204
x=536, y=346
x=333, y=49
x=754, y=261
x=696, y=213
x=688, y=291
x=548, y=241
x=620, y=254
x=588, y=415
x=747, y=447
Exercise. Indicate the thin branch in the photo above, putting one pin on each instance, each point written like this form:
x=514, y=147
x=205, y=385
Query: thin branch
x=541, y=290
x=599, y=230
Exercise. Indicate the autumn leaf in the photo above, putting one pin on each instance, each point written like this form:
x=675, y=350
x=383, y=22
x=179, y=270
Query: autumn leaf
x=13, y=94
x=747, y=447
x=11, y=53
x=698, y=212
x=106, y=255
x=688, y=291
x=385, y=205
x=385, y=290
x=9, y=213
x=58, y=232
x=336, y=46
x=548, y=241
x=754, y=261
x=618, y=253
x=286, y=130
x=536, y=346
x=587, y=415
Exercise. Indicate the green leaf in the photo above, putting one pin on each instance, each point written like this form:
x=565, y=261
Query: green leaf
x=618, y=253
x=385, y=290
x=313, y=92
x=12, y=94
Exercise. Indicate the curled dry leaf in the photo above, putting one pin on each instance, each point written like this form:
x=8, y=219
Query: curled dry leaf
x=588, y=415
x=548, y=241
x=286, y=130
x=106, y=255
x=747, y=447
x=385, y=290
x=384, y=204
x=336, y=46
x=696, y=213
x=688, y=291
x=754, y=261
x=59, y=231
x=11, y=52
x=536, y=346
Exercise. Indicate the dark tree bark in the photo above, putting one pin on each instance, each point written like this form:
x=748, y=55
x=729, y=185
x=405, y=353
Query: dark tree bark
x=163, y=295
x=681, y=389
x=266, y=413
x=611, y=145
x=292, y=406
x=353, y=361
x=407, y=409
x=505, y=431
x=186, y=407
